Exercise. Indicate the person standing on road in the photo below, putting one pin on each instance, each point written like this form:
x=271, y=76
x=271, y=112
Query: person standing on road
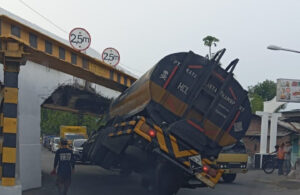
x=287, y=158
x=64, y=165
x=280, y=158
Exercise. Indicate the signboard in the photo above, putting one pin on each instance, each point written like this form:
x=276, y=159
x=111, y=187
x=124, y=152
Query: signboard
x=111, y=56
x=288, y=90
x=80, y=39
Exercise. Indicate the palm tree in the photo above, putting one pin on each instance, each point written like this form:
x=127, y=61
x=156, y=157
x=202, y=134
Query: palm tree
x=209, y=41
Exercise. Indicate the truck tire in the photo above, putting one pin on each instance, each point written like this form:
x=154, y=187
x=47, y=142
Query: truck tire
x=168, y=179
x=229, y=178
x=76, y=158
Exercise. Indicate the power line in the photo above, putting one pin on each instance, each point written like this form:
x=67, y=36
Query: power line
x=61, y=29
x=45, y=18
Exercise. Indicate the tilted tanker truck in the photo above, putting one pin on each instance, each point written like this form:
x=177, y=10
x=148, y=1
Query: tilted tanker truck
x=171, y=124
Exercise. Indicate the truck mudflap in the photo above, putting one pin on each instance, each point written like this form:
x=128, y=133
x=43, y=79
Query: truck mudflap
x=210, y=175
x=171, y=149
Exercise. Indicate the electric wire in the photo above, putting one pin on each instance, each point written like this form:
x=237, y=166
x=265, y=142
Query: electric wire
x=45, y=18
x=61, y=29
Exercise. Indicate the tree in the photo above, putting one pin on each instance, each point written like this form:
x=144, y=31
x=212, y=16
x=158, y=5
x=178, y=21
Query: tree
x=210, y=41
x=257, y=103
x=51, y=120
x=266, y=90
x=261, y=92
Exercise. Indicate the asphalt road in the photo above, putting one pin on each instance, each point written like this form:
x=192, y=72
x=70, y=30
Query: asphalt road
x=93, y=180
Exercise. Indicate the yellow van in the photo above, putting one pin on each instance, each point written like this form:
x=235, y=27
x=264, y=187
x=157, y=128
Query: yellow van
x=233, y=159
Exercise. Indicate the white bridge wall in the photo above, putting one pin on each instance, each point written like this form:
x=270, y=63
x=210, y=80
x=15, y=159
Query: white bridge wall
x=36, y=83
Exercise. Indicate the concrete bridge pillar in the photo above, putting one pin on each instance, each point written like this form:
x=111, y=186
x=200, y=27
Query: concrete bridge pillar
x=12, y=58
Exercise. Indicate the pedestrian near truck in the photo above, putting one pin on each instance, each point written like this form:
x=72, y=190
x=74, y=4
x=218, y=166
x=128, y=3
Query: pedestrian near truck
x=287, y=158
x=280, y=158
x=63, y=167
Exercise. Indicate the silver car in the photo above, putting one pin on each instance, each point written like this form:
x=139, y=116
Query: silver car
x=77, y=148
x=55, y=144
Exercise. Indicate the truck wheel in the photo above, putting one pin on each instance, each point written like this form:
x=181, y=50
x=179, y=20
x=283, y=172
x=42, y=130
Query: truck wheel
x=229, y=178
x=76, y=158
x=168, y=180
x=98, y=151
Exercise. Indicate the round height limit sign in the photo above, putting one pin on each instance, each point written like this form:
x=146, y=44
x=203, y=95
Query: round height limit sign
x=80, y=39
x=111, y=56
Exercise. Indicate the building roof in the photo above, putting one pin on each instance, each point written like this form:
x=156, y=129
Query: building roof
x=284, y=128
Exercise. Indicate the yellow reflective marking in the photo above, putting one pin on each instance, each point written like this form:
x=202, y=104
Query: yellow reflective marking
x=55, y=50
x=9, y=125
x=10, y=95
x=206, y=161
x=157, y=128
x=8, y=181
x=119, y=133
x=183, y=153
x=111, y=134
x=128, y=131
x=67, y=56
x=161, y=139
x=187, y=163
x=9, y=155
x=41, y=44
x=139, y=131
x=25, y=36
x=5, y=30
x=132, y=122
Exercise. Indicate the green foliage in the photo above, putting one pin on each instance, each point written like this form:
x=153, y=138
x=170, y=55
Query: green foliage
x=266, y=90
x=261, y=92
x=257, y=103
x=51, y=120
x=210, y=41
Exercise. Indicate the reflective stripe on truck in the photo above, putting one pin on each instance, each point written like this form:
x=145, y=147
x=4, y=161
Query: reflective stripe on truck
x=170, y=146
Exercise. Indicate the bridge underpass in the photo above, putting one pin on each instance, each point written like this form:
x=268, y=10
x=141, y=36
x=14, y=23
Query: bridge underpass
x=35, y=64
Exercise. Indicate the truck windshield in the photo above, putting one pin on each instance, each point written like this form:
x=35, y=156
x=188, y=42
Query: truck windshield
x=237, y=148
x=74, y=136
x=78, y=143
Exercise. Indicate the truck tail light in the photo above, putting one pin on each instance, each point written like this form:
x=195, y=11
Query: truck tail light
x=206, y=168
x=152, y=133
x=210, y=171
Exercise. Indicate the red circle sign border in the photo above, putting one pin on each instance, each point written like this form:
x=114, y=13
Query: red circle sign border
x=86, y=32
x=116, y=51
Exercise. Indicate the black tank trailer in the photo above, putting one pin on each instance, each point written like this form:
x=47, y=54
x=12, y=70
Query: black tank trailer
x=171, y=124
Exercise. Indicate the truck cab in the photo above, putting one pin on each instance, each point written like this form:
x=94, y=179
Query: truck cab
x=71, y=133
x=233, y=159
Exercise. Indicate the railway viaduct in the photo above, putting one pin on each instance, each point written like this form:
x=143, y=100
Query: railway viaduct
x=35, y=63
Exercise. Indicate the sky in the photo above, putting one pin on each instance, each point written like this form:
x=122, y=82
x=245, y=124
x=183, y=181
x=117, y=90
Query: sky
x=145, y=31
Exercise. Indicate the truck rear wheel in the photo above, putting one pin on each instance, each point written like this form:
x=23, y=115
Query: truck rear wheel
x=229, y=178
x=168, y=179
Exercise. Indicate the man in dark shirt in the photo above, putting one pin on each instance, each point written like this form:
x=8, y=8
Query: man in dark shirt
x=65, y=162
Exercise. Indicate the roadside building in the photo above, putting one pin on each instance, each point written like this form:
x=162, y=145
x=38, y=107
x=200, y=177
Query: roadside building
x=286, y=131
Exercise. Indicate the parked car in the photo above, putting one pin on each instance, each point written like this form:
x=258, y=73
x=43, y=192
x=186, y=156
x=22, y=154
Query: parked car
x=77, y=149
x=55, y=144
x=46, y=141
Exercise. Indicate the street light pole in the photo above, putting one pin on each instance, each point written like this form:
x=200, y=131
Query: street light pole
x=274, y=47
